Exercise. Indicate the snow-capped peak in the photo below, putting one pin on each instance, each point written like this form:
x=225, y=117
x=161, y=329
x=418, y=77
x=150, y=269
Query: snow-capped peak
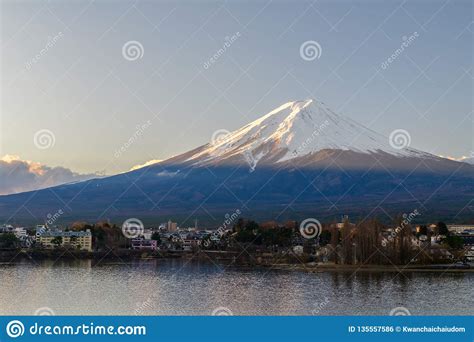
x=293, y=130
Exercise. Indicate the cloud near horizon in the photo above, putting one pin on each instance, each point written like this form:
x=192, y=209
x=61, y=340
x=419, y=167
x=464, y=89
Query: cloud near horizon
x=17, y=175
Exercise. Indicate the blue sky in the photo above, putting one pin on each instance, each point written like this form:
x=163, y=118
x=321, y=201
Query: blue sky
x=91, y=98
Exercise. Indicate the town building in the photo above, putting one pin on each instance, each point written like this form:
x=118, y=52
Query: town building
x=470, y=254
x=80, y=240
x=20, y=232
x=39, y=229
x=191, y=243
x=145, y=244
x=147, y=233
x=6, y=228
x=344, y=218
x=172, y=226
x=460, y=228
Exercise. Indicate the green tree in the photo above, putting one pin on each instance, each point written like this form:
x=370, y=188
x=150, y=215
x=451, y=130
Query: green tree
x=454, y=242
x=402, y=242
x=239, y=225
x=206, y=242
x=8, y=240
x=156, y=236
x=277, y=236
x=442, y=228
x=335, y=238
x=57, y=241
x=347, y=238
x=250, y=233
x=423, y=230
x=325, y=237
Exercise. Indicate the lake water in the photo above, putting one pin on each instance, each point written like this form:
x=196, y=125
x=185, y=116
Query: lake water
x=180, y=287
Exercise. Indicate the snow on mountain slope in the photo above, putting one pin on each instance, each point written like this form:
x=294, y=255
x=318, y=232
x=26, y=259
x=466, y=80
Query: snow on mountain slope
x=294, y=130
x=468, y=160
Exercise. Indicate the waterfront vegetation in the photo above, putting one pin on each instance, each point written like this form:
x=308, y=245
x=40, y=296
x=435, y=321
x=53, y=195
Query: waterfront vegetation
x=267, y=243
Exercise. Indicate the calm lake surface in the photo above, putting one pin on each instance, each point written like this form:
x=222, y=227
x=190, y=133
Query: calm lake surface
x=180, y=287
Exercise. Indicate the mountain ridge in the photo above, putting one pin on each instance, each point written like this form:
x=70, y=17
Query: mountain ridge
x=288, y=164
x=298, y=130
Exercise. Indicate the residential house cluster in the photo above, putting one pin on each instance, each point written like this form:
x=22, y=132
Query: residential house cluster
x=169, y=236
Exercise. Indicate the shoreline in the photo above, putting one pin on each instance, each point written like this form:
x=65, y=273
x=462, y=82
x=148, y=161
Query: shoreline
x=12, y=257
x=372, y=268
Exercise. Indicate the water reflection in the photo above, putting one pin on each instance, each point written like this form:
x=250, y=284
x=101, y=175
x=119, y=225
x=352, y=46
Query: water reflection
x=177, y=287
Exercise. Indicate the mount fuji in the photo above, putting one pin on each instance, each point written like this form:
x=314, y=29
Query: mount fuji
x=300, y=160
x=298, y=133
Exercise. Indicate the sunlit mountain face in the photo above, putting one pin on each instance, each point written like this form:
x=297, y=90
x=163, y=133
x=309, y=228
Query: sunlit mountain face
x=300, y=160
